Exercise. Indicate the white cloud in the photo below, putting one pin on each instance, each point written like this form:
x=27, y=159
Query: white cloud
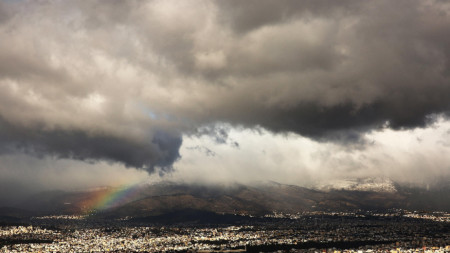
x=419, y=156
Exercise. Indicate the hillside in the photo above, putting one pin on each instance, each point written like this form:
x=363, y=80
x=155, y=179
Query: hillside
x=259, y=199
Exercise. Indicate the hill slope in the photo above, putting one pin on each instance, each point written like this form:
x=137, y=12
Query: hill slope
x=157, y=199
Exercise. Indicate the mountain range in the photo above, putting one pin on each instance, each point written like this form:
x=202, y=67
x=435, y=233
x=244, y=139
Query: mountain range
x=256, y=200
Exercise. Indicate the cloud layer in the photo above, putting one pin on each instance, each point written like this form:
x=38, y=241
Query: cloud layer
x=418, y=157
x=122, y=81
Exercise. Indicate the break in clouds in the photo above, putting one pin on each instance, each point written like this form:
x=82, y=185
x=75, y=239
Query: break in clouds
x=124, y=81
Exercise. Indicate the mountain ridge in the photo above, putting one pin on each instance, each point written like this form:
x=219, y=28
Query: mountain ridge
x=256, y=200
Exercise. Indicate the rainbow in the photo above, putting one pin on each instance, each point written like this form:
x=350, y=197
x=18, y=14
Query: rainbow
x=110, y=197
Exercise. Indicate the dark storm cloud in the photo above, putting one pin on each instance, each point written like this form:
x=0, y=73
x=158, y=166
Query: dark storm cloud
x=115, y=80
x=371, y=64
x=344, y=122
x=160, y=151
x=244, y=16
x=4, y=14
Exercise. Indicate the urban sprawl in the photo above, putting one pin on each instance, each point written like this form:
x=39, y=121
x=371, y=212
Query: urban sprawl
x=359, y=231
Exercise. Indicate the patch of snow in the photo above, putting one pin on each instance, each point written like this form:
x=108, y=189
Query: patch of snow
x=361, y=184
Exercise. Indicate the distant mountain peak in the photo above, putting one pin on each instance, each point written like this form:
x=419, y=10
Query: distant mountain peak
x=370, y=184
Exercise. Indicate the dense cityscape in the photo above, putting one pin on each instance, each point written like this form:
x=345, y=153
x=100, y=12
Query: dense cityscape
x=359, y=231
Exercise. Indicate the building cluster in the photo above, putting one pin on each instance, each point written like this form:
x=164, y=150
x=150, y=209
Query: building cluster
x=435, y=216
x=26, y=232
x=312, y=232
x=60, y=217
x=445, y=249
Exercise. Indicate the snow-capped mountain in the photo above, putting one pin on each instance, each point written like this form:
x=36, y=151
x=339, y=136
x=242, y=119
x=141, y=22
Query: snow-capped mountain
x=360, y=184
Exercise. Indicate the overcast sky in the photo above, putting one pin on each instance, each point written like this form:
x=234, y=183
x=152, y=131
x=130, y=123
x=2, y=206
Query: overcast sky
x=112, y=92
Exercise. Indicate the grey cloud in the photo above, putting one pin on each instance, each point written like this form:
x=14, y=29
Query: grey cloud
x=4, y=13
x=318, y=74
x=218, y=133
x=390, y=67
x=244, y=16
x=159, y=151
x=90, y=74
x=202, y=149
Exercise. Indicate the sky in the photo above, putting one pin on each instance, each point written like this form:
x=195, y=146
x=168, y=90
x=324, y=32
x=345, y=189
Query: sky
x=96, y=93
